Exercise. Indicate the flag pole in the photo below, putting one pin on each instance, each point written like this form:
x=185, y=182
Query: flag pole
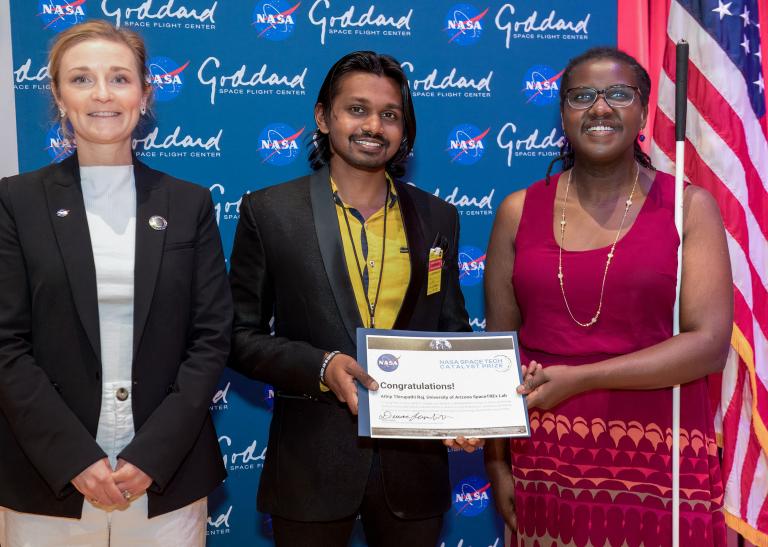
x=681, y=98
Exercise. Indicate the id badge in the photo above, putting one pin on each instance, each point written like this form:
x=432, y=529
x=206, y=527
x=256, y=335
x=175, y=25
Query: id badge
x=435, y=270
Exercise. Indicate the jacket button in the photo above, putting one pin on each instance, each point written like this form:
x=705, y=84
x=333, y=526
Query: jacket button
x=121, y=394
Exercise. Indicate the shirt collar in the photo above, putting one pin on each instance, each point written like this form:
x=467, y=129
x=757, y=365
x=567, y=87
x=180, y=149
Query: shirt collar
x=392, y=192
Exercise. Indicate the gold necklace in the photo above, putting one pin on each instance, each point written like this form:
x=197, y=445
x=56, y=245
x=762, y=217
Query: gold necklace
x=609, y=258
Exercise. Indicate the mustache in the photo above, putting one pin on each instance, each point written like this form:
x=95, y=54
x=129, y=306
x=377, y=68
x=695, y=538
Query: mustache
x=371, y=137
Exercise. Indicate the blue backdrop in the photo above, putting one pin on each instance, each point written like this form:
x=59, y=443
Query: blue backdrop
x=235, y=84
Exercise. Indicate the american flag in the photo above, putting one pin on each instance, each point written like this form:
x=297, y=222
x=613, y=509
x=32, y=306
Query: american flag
x=726, y=152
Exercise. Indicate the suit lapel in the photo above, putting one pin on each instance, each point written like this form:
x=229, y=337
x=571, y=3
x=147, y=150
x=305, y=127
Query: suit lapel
x=151, y=200
x=418, y=252
x=67, y=214
x=328, y=237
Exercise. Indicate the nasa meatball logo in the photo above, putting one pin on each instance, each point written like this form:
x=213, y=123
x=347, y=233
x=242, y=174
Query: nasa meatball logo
x=166, y=77
x=464, y=24
x=471, y=496
x=59, y=15
x=465, y=144
x=274, y=19
x=278, y=144
x=388, y=362
x=57, y=145
x=541, y=86
x=471, y=266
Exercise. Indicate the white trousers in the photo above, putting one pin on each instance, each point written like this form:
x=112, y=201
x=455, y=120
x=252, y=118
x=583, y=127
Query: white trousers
x=98, y=527
x=102, y=526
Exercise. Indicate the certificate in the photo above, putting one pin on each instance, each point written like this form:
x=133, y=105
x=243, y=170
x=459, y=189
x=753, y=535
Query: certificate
x=441, y=385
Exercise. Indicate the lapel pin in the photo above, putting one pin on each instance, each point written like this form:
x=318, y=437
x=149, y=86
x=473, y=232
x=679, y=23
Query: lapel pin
x=61, y=213
x=156, y=222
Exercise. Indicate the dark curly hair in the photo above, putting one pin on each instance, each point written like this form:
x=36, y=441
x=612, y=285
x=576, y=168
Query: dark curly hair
x=371, y=63
x=566, y=156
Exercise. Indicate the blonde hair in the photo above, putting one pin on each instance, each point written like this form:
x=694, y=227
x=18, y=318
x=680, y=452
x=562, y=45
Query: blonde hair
x=98, y=29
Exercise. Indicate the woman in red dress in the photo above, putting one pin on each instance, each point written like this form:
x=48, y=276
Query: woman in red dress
x=584, y=267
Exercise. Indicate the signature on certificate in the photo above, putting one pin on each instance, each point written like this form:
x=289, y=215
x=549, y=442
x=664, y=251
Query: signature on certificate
x=411, y=417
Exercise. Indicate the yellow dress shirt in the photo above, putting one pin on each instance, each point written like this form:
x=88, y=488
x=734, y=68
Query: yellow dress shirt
x=366, y=243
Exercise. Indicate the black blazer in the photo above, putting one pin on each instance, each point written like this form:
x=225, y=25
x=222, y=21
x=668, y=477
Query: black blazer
x=288, y=261
x=50, y=366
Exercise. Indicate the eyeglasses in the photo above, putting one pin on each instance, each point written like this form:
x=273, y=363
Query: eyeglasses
x=619, y=96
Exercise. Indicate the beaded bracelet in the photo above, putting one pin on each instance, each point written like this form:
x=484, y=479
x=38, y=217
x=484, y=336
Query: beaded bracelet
x=326, y=361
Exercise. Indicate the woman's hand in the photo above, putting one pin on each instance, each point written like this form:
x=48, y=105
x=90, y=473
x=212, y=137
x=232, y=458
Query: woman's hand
x=503, y=488
x=130, y=480
x=529, y=373
x=497, y=467
x=547, y=387
x=467, y=445
x=97, y=484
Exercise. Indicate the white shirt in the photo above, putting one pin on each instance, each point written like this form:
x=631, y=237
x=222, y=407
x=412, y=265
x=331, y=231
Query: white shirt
x=109, y=193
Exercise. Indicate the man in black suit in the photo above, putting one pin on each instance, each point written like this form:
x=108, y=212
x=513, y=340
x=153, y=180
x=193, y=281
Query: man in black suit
x=343, y=248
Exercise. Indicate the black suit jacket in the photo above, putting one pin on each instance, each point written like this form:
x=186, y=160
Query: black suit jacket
x=288, y=262
x=50, y=366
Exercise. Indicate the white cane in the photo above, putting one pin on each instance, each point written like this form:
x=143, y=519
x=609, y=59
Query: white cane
x=681, y=98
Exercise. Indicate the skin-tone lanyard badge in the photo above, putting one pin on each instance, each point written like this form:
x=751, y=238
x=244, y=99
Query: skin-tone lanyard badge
x=435, y=270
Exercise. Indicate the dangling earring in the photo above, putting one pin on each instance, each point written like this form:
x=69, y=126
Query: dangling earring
x=143, y=109
x=641, y=137
x=61, y=112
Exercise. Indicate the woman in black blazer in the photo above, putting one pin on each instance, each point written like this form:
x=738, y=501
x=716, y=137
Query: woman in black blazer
x=115, y=319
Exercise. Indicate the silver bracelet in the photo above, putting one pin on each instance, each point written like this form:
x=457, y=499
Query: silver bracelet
x=326, y=360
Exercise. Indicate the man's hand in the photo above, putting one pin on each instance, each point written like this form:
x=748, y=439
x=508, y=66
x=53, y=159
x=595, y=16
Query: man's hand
x=340, y=378
x=96, y=483
x=130, y=480
x=467, y=445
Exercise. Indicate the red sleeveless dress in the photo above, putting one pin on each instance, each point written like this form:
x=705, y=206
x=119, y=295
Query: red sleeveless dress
x=597, y=469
